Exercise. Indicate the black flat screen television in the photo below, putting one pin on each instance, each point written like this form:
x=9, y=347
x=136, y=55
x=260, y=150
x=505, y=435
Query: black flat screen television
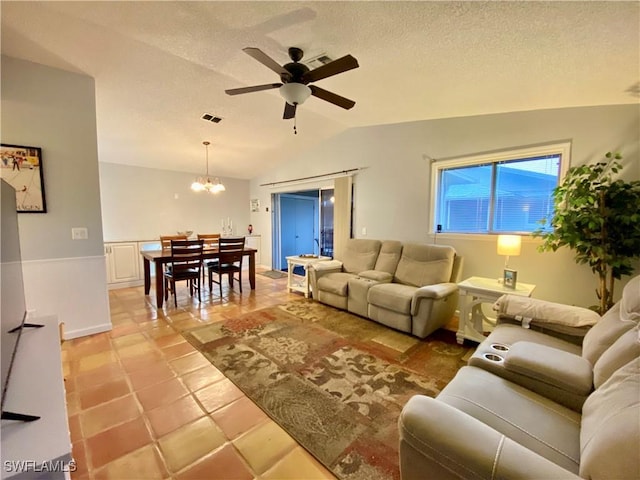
x=12, y=300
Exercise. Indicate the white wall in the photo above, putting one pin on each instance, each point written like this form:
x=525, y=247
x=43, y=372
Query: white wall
x=144, y=203
x=55, y=110
x=392, y=195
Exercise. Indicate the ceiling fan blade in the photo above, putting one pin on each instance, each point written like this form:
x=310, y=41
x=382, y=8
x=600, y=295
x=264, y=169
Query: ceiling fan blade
x=289, y=111
x=256, y=88
x=265, y=59
x=340, y=65
x=331, y=97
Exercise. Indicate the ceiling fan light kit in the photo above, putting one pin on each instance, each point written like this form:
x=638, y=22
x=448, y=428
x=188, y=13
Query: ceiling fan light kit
x=295, y=93
x=204, y=184
x=296, y=76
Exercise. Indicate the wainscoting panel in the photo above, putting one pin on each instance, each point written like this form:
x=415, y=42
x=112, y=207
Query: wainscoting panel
x=74, y=289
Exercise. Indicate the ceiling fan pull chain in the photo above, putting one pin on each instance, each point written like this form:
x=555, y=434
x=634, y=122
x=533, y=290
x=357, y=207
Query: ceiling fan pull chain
x=295, y=130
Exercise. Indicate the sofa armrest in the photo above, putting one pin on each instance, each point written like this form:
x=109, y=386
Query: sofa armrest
x=543, y=312
x=333, y=265
x=440, y=441
x=564, y=370
x=435, y=292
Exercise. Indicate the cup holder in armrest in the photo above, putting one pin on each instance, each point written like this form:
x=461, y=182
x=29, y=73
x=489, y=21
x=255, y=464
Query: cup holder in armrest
x=492, y=357
x=499, y=347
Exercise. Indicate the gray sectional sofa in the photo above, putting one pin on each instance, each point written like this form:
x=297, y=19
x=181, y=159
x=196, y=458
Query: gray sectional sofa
x=407, y=286
x=530, y=406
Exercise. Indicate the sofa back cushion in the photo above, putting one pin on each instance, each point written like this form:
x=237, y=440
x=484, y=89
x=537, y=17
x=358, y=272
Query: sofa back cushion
x=422, y=265
x=610, y=430
x=623, y=316
x=360, y=255
x=624, y=349
x=389, y=256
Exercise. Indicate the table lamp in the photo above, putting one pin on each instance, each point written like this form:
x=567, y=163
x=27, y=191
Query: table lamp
x=509, y=245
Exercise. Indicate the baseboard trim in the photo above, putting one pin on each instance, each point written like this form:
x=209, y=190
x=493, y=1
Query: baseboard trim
x=81, y=332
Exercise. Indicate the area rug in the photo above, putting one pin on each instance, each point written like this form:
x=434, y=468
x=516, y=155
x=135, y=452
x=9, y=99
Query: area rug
x=273, y=274
x=334, y=381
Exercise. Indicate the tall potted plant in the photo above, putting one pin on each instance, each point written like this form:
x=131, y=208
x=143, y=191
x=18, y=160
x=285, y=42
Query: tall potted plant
x=598, y=217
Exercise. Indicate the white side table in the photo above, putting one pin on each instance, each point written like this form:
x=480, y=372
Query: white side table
x=475, y=291
x=303, y=285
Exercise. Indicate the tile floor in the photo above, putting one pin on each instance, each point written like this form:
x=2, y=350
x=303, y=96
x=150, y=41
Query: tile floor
x=143, y=403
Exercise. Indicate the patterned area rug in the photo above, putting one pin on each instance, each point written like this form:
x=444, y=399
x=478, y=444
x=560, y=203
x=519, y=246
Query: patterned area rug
x=334, y=381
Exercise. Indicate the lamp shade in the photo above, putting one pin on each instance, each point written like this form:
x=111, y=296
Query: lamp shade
x=295, y=93
x=509, y=244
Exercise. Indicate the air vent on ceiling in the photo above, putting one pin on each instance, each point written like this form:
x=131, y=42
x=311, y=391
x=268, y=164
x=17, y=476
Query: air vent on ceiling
x=211, y=118
x=318, y=61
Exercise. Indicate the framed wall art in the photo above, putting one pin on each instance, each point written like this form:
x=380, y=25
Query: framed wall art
x=21, y=167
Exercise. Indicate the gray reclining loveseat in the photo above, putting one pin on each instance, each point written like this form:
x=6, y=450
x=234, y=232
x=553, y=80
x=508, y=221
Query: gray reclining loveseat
x=552, y=410
x=410, y=287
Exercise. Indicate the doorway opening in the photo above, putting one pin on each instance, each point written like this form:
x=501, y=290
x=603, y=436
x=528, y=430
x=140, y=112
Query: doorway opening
x=302, y=224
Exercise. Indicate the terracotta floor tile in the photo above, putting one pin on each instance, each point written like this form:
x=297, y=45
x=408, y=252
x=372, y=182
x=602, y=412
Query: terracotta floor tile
x=223, y=464
x=96, y=360
x=202, y=377
x=138, y=349
x=105, y=392
x=115, y=442
x=162, y=393
x=140, y=362
x=152, y=375
x=178, y=350
x=128, y=340
x=296, y=465
x=218, y=395
x=144, y=463
x=190, y=443
x=189, y=363
x=97, y=376
x=238, y=417
x=169, y=417
x=264, y=445
x=108, y=414
x=168, y=340
x=74, y=428
x=79, y=455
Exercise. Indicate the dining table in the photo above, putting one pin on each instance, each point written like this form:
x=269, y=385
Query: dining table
x=162, y=257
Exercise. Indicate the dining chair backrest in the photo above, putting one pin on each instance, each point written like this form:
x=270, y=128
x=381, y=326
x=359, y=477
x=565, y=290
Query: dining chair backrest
x=165, y=240
x=186, y=256
x=231, y=250
x=210, y=239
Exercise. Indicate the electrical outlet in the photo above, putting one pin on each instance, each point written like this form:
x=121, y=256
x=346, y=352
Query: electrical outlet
x=364, y=231
x=79, y=233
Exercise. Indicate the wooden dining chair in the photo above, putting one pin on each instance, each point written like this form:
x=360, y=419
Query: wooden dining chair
x=210, y=241
x=165, y=240
x=231, y=253
x=186, y=264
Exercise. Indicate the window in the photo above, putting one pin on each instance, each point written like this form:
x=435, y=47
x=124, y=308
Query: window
x=505, y=192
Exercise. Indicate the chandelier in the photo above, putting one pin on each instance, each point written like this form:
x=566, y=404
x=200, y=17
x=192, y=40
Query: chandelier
x=205, y=184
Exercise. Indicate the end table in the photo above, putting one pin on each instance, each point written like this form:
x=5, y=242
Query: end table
x=475, y=291
x=302, y=286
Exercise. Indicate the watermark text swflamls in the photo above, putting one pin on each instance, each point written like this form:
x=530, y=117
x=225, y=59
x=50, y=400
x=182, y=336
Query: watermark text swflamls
x=19, y=466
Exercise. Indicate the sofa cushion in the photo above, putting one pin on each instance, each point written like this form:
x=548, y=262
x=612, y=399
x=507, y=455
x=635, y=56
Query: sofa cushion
x=360, y=255
x=630, y=302
x=389, y=256
x=392, y=296
x=529, y=419
x=604, y=333
x=610, y=432
x=626, y=348
x=422, y=265
x=335, y=283
x=377, y=276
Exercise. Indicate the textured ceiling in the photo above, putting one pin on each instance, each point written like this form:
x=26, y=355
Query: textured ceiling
x=158, y=66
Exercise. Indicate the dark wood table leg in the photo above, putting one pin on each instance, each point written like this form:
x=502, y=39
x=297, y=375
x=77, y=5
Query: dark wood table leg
x=147, y=275
x=252, y=270
x=159, y=284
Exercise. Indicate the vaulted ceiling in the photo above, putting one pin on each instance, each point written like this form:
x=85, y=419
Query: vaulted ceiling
x=159, y=66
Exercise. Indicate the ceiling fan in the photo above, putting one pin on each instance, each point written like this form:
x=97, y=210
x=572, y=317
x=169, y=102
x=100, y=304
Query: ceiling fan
x=295, y=78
